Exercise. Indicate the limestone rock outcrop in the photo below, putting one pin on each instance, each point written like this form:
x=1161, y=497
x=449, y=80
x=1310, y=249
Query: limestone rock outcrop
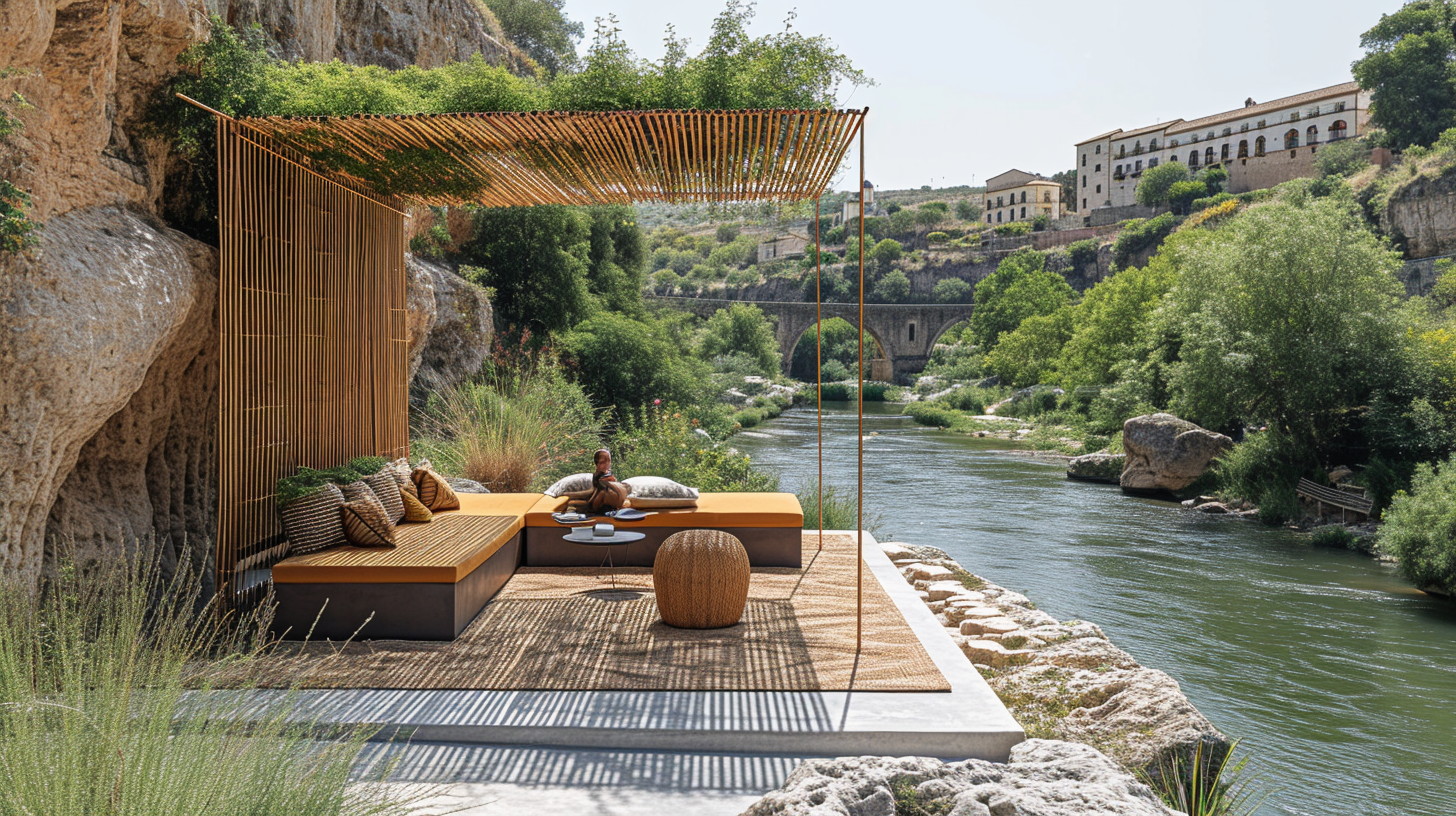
x=107, y=338
x=1422, y=216
x=390, y=33
x=457, y=323
x=1165, y=453
x=108, y=343
x=1097, y=467
x=1041, y=778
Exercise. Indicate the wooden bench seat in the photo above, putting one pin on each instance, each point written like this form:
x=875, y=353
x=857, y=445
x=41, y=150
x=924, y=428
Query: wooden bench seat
x=428, y=587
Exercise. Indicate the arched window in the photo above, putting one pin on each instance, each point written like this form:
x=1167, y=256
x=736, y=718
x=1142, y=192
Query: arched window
x=1244, y=148
x=1311, y=135
x=1153, y=162
x=1291, y=139
x=1337, y=130
x=998, y=216
x=912, y=332
x=1259, y=146
x=1153, y=145
x=1023, y=196
x=1023, y=212
x=1223, y=154
x=1193, y=158
x=1084, y=159
x=1208, y=155
x=1046, y=196
x=1084, y=182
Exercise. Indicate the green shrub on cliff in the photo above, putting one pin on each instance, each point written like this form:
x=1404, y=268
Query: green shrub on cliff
x=1419, y=529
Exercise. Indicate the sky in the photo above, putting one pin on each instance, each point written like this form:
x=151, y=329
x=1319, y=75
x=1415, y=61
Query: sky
x=969, y=89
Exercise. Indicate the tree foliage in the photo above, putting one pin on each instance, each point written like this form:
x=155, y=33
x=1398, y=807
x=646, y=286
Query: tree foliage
x=1289, y=317
x=536, y=260
x=16, y=228
x=951, y=290
x=541, y=29
x=742, y=329
x=1419, y=529
x=627, y=363
x=1409, y=68
x=1027, y=356
x=892, y=287
x=1021, y=287
x=1154, y=188
x=840, y=352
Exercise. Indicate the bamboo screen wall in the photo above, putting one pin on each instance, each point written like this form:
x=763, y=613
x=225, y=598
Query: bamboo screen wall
x=314, y=369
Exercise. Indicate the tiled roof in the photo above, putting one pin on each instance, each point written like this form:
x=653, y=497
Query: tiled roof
x=1100, y=137
x=1343, y=89
x=1148, y=129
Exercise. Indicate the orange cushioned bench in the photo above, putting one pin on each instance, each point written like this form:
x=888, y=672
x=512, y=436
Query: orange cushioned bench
x=770, y=525
x=441, y=574
x=428, y=587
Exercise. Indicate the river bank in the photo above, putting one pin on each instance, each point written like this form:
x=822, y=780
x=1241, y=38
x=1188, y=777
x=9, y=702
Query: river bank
x=1334, y=673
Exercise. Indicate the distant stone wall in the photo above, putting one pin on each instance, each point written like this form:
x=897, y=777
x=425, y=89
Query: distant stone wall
x=1421, y=217
x=1272, y=169
x=1107, y=216
x=1420, y=275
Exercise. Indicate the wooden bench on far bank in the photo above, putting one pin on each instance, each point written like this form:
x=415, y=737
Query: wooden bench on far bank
x=1321, y=496
x=439, y=575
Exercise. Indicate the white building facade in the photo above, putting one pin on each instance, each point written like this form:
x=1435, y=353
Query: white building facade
x=1260, y=145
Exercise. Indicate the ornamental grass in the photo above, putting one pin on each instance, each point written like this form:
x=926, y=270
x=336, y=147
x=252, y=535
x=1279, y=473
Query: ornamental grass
x=107, y=706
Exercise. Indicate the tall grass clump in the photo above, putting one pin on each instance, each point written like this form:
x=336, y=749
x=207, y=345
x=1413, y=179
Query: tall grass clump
x=511, y=429
x=1206, y=784
x=839, y=510
x=107, y=706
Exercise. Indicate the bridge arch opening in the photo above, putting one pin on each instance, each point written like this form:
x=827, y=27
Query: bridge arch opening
x=839, y=352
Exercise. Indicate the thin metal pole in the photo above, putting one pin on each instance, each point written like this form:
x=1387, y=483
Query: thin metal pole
x=819, y=361
x=859, y=440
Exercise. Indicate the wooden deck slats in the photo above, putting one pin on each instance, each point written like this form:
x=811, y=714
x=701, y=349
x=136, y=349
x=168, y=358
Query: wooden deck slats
x=594, y=157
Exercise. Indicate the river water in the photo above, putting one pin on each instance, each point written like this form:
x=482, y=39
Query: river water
x=1339, y=678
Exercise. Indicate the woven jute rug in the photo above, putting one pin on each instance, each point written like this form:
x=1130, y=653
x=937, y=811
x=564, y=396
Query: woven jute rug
x=568, y=629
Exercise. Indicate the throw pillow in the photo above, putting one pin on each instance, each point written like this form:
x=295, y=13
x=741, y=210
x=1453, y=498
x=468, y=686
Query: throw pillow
x=366, y=524
x=435, y=492
x=312, y=523
x=656, y=492
x=400, y=469
x=414, y=510
x=386, y=488
x=576, y=483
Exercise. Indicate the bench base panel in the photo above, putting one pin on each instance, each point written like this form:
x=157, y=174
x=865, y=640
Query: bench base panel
x=766, y=546
x=414, y=611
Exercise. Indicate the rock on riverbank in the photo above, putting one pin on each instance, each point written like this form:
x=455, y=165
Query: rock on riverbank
x=1097, y=467
x=1165, y=453
x=1061, y=679
x=1042, y=778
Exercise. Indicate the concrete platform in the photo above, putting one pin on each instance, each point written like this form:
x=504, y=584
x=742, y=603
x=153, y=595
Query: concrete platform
x=513, y=780
x=969, y=721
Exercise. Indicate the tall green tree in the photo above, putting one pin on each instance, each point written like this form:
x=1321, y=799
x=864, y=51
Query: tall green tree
x=541, y=29
x=1154, y=188
x=536, y=260
x=1289, y=318
x=742, y=329
x=1021, y=287
x=616, y=258
x=1409, y=68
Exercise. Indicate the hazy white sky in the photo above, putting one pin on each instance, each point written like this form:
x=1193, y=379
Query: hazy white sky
x=969, y=89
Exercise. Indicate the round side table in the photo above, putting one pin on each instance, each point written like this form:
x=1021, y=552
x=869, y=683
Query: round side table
x=618, y=537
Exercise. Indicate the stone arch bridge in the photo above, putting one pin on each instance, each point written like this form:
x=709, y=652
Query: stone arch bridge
x=906, y=332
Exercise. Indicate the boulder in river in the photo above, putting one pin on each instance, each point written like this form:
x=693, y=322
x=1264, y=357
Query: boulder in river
x=1165, y=453
x=1097, y=467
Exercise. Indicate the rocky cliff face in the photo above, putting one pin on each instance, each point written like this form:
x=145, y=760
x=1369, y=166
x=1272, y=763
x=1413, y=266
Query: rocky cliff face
x=391, y=33
x=1422, y=216
x=108, y=343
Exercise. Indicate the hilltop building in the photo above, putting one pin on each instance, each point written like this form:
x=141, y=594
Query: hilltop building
x=787, y=244
x=1020, y=196
x=1260, y=144
x=851, y=204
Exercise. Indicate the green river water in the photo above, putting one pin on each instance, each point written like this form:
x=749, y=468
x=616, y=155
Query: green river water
x=1338, y=677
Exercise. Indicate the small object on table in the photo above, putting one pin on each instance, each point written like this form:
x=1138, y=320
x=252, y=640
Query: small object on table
x=600, y=530
x=700, y=578
x=582, y=535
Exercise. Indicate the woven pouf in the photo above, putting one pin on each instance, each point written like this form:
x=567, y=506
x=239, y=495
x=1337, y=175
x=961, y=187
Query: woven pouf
x=700, y=578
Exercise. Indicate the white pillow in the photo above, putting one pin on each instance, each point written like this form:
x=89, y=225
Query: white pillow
x=644, y=503
x=657, y=487
x=575, y=483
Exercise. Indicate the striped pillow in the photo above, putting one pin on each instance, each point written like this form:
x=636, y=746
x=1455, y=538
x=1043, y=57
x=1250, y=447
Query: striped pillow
x=366, y=525
x=435, y=492
x=400, y=469
x=312, y=523
x=386, y=489
x=358, y=491
x=414, y=510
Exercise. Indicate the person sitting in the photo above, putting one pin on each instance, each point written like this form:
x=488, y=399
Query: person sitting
x=607, y=493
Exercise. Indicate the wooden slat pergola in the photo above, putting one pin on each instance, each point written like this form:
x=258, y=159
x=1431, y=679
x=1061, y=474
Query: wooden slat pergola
x=312, y=287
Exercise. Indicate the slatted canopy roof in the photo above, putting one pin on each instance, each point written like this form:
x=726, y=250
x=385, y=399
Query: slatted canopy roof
x=583, y=158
